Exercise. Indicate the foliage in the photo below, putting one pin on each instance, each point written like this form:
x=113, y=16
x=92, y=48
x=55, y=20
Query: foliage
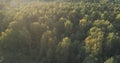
x=70, y=31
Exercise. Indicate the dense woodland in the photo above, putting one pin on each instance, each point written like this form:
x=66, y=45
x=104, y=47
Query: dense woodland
x=71, y=31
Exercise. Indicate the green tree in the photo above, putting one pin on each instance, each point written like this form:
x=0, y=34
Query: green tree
x=47, y=44
x=90, y=59
x=68, y=27
x=62, y=50
x=15, y=44
x=94, y=41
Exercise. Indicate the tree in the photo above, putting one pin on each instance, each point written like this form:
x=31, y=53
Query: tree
x=117, y=23
x=90, y=59
x=62, y=51
x=68, y=27
x=94, y=41
x=15, y=43
x=112, y=44
x=106, y=26
x=47, y=44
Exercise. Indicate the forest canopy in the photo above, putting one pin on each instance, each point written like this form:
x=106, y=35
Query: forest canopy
x=57, y=31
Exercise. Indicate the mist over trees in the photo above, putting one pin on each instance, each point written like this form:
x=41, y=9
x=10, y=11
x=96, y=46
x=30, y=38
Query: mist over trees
x=71, y=31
